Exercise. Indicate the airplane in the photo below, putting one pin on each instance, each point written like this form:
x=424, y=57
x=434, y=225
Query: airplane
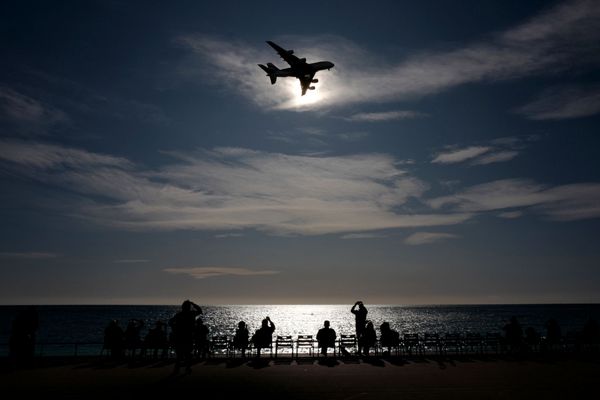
x=299, y=68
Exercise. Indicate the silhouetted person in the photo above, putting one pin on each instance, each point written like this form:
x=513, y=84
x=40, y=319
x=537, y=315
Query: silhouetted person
x=133, y=339
x=114, y=339
x=326, y=338
x=513, y=334
x=201, y=338
x=368, y=338
x=156, y=339
x=389, y=338
x=263, y=337
x=553, y=334
x=241, y=338
x=22, y=337
x=183, y=324
x=532, y=338
x=590, y=336
x=360, y=315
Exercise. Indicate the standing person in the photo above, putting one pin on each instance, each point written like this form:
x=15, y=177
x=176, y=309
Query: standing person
x=326, y=338
x=360, y=315
x=183, y=324
x=513, y=334
x=22, y=337
x=263, y=337
x=241, y=338
x=114, y=339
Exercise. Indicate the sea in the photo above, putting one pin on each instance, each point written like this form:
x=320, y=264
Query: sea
x=60, y=327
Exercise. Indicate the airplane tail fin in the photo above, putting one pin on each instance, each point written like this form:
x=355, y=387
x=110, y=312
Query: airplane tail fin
x=270, y=69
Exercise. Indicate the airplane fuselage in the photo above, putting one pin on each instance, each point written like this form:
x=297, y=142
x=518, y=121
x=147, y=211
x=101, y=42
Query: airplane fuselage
x=304, y=69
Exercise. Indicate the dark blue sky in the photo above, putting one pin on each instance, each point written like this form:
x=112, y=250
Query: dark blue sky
x=451, y=156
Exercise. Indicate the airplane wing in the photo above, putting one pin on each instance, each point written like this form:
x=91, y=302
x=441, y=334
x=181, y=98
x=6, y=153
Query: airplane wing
x=287, y=55
x=305, y=82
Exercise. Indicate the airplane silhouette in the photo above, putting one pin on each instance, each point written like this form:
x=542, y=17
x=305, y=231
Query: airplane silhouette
x=299, y=68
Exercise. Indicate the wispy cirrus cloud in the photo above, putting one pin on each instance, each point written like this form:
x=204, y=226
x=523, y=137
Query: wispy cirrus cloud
x=27, y=115
x=232, y=189
x=564, y=102
x=497, y=150
x=554, y=40
x=420, y=238
x=500, y=156
x=209, y=272
x=562, y=203
x=385, y=116
x=47, y=156
x=228, y=235
x=362, y=236
x=30, y=255
x=459, y=155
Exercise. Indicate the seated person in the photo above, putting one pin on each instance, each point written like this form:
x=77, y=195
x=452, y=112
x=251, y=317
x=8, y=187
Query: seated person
x=263, y=337
x=389, y=337
x=326, y=338
x=241, y=337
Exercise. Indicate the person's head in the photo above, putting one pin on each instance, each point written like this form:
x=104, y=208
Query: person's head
x=265, y=322
x=186, y=305
x=385, y=326
x=370, y=325
x=241, y=325
x=326, y=324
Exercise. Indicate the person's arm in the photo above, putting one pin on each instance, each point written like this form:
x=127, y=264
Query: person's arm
x=197, y=308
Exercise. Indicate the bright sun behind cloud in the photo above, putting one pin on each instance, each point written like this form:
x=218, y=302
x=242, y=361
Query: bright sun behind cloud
x=293, y=92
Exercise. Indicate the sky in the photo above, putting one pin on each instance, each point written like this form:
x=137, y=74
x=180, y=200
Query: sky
x=451, y=156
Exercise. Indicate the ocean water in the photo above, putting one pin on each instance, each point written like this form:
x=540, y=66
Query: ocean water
x=67, y=324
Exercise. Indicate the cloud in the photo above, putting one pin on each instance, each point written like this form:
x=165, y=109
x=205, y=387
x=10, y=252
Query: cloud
x=564, y=102
x=497, y=150
x=28, y=115
x=362, y=236
x=385, y=116
x=551, y=41
x=511, y=214
x=209, y=272
x=460, y=155
x=48, y=156
x=562, y=203
x=28, y=255
x=228, y=235
x=233, y=188
x=131, y=261
x=420, y=238
x=500, y=156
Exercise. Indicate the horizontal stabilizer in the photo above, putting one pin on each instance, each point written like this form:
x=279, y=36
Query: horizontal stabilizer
x=270, y=70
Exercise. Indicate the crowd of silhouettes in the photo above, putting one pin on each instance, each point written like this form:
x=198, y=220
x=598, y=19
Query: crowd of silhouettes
x=189, y=337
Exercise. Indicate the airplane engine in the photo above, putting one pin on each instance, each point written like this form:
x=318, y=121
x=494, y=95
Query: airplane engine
x=311, y=88
x=315, y=81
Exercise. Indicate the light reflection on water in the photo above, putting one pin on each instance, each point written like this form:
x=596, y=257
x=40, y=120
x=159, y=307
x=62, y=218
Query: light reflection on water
x=87, y=323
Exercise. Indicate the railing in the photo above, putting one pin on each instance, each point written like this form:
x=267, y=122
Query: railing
x=408, y=345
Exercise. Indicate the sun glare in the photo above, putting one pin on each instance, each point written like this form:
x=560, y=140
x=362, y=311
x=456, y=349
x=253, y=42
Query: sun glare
x=296, y=100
